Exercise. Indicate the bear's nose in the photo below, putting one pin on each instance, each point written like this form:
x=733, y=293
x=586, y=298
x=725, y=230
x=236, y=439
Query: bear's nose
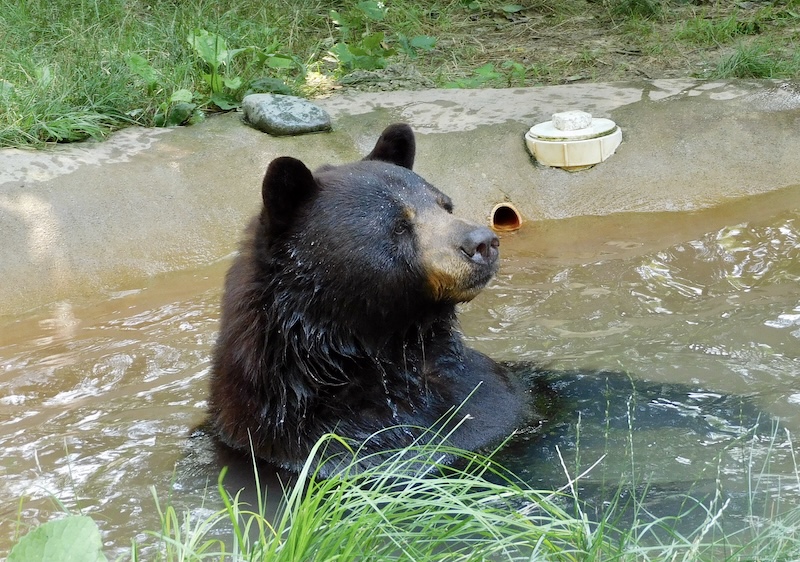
x=481, y=246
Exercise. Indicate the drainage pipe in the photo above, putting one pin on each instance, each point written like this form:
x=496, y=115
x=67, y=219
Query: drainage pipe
x=505, y=217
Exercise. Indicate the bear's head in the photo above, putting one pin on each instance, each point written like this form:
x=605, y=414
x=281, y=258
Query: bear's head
x=369, y=245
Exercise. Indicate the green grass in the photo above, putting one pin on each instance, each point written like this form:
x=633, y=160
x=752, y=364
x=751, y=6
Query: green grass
x=409, y=508
x=73, y=69
x=646, y=9
x=703, y=30
x=77, y=69
x=67, y=69
x=756, y=60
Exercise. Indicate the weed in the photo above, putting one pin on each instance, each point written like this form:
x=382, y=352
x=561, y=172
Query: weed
x=411, y=47
x=646, y=9
x=480, y=77
x=75, y=538
x=410, y=508
x=756, y=60
x=516, y=72
x=511, y=73
x=360, y=47
x=703, y=30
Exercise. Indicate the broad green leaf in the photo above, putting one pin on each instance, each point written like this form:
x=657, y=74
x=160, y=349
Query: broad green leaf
x=210, y=47
x=341, y=52
x=141, y=67
x=372, y=41
x=179, y=113
x=487, y=71
x=373, y=10
x=230, y=53
x=269, y=84
x=280, y=61
x=424, y=42
x=232, y=83
x=369, y=62
x=356, y=50
x=512, y=8
x=183, y=95
x=75, y=538
x=224, y=101
x=337, y=18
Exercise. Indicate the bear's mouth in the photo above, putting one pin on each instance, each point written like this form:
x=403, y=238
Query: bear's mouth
x=464, y=286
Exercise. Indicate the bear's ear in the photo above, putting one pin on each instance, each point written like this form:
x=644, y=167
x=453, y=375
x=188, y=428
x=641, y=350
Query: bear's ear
x=288, y=186
x=396, y=145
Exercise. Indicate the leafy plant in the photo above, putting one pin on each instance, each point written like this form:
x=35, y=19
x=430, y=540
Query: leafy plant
x=480, y=77
x=517, y=72
x=214, y=52
x=74, y=538
x=180, y=109
x=140, y=66
x=369, y=53
x=412, y=46
x=362, y=48
x=220, y=78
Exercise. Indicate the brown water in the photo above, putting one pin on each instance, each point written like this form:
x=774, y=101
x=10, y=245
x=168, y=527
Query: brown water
x=97, y=398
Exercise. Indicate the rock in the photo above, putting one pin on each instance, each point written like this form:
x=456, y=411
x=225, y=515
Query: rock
x=572, y=120
x=278, y=114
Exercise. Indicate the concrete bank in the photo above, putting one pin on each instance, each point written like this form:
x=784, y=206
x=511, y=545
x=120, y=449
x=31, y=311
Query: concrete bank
x=78, y=219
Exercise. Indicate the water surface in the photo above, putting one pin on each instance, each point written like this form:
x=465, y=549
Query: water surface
x=697, y=309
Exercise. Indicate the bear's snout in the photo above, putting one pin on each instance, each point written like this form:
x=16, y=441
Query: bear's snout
x=481, y=246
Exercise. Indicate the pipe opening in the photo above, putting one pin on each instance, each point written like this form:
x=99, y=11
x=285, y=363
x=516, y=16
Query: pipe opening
x=505, y=218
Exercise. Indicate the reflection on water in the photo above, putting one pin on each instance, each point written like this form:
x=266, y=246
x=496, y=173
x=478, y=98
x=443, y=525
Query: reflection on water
x=698, y=309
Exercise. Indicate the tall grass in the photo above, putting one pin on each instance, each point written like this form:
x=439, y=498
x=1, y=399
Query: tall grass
x=76, y=69
x=756, y=60
x=410, y=508
x=703, y=30
x=65, y=64
x=73, y=69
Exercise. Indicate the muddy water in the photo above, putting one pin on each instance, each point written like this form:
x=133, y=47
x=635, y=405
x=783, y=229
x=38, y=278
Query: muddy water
x=97, y=397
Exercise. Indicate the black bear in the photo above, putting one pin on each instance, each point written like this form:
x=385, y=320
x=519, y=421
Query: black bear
x=339, y=315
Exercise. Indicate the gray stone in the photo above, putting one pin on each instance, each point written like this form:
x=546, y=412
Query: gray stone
x=281, y=115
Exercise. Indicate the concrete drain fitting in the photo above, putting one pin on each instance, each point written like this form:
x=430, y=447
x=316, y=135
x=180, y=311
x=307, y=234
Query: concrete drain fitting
x=505, y=218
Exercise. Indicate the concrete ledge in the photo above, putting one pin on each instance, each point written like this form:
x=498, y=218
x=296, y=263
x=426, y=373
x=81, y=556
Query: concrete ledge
x=79, y=219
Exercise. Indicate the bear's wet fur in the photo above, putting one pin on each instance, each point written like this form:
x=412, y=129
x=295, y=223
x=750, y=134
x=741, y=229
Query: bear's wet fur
x=339, y=315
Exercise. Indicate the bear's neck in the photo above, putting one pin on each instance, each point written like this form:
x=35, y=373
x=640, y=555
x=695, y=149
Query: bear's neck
x=314, y=363
x=326, y=352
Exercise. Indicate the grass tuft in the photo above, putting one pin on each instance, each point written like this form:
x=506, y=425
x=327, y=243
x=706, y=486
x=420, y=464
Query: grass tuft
x=409, y=507
x=645, y=9
x=756, y=60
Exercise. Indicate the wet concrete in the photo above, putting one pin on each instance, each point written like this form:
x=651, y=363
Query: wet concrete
x=102, y=216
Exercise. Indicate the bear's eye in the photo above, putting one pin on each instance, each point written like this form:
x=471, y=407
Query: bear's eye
x=401, y=227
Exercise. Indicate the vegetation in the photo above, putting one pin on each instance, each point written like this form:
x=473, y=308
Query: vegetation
x=410, y=508
x=72, y=69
